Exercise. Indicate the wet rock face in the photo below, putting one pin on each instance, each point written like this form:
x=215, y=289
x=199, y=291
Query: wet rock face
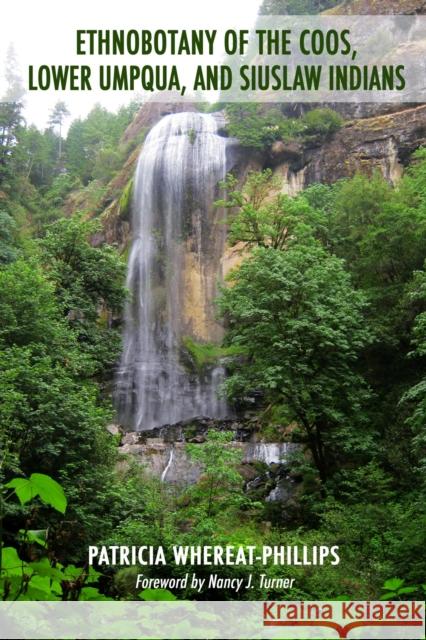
x=379, y=7
x=264, y=465
x=384, y=143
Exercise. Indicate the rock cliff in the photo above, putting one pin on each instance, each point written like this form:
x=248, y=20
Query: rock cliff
x=383, y=143
x=378, y=7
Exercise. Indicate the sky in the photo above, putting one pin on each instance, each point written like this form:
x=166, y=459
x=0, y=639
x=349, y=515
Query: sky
x=43, y=32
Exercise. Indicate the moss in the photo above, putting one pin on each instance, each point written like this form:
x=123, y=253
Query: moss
x=192, y=134
x=126, y=251
x=125, y=201
x=207, y=354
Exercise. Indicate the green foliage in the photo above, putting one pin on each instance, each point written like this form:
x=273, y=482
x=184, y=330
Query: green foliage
x=203, y=355
x=296, y=7
x=319, y=124
x=414, y=399
x=41, y=579
x=60, y=188
x=37, y=155
x=258, y=127
x=8, y=239
x=10, y=127
x=262, y=216
x=87, y=279
x=28, y=311
x=301, y=323
x=396, y=590
x=92, y=144
x=50, y=415
x=221, y=485
x=253, y=128
x=126, y=200
x=41, y=485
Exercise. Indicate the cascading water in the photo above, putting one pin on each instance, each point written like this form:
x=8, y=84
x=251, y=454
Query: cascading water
x=174, y=223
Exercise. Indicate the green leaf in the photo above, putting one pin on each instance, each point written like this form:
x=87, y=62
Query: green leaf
x=156, y=595
x=10, y=561
x=10, y=585
x=49, y=491
x=40, y=588
x=44, y=568
x=71, y=571
x=393, y=584
x=93, y=575
x=407, y=590
x=388, y=596
x=24, y=489
x=39, y=536
x=40, y=485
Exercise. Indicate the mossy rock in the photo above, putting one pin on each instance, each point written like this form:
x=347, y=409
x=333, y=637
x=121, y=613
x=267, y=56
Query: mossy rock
x=200, y=356
x=125, y=202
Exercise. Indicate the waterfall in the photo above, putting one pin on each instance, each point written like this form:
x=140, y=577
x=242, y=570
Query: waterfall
x=269, y=452
x=176, y=231
x=168, y=465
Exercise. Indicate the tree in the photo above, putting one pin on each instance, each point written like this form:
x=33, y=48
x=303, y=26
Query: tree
x=263, y=216
x=253, y=127
x=10, y=124
x=220, y=485
x=56, y=118
x=93, y=149
x=319, y=124
x=37, y=153
x=414, y=399
x=51, y=419
x=15, y=87
x=8, y=238
x=301, y=324
x=89, y=288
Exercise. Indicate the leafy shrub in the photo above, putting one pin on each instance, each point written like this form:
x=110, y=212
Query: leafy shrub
x=321, y=123
x=257, y=128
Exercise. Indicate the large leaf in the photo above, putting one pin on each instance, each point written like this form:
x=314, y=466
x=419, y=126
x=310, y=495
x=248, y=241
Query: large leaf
x=10, y=585
x=36, y=535
x=39, y=484
x=71, y=572
x=49, y=491
x=41, y=588
x=406, y=590
x=24, y=489
x=44, y=568
x=393, y=584
x=11, y=562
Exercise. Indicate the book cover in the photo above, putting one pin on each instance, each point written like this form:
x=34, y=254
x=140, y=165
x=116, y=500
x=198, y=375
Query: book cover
x=213, y=319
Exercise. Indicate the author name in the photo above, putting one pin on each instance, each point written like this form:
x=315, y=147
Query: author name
x=214, y=555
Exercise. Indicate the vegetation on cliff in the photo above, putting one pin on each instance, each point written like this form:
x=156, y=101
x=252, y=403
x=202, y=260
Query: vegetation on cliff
x=258, y=128
x=296, y=7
